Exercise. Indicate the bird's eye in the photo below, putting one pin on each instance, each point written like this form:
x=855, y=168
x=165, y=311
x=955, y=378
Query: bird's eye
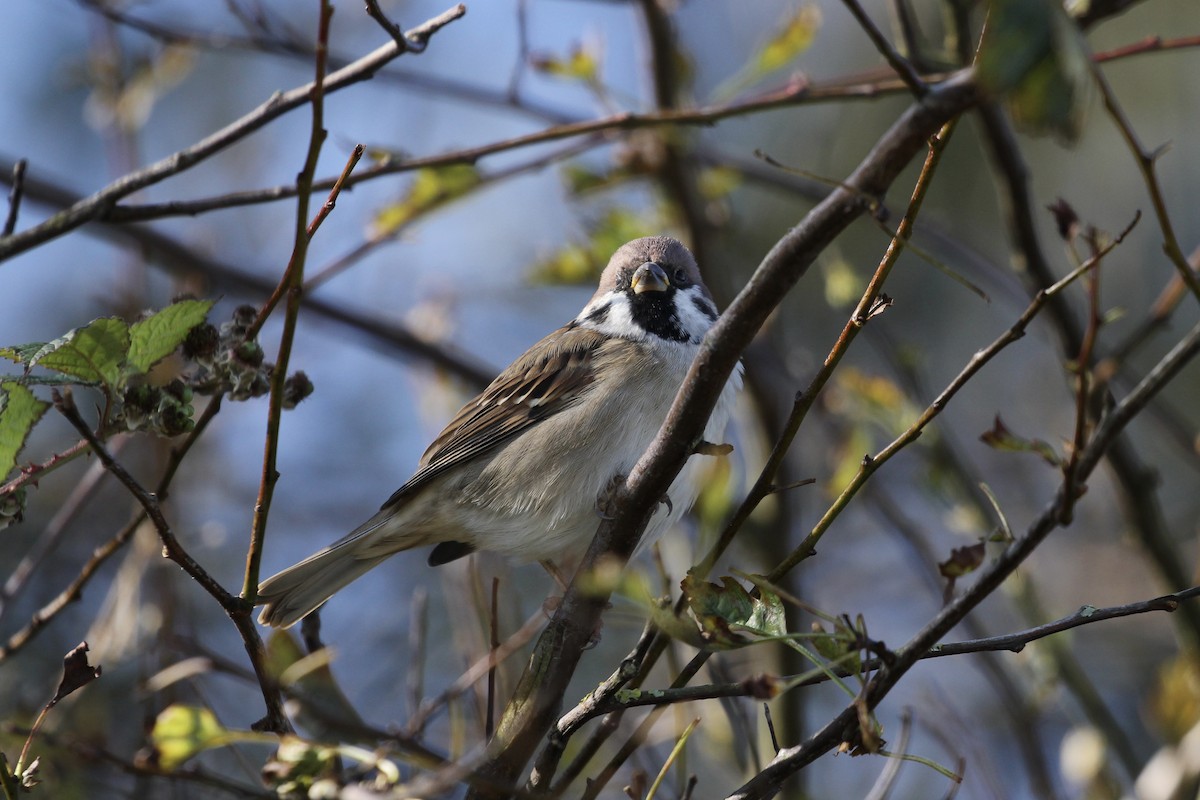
x=680, y=275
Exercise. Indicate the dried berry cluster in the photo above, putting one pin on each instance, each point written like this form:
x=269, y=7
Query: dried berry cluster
x=227, y=361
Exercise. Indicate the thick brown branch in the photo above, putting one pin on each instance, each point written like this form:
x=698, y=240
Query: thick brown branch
x=539, y=694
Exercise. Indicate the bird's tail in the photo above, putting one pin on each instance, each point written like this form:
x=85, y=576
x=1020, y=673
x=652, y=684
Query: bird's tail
x=299, y=590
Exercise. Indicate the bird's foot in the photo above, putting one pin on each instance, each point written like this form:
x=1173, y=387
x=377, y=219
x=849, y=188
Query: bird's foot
x=606, y=501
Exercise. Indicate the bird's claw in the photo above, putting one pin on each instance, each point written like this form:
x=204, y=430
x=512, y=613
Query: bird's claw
x=606, y=507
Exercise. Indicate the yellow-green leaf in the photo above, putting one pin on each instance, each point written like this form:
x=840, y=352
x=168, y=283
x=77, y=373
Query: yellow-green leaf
x=156, y=337
x=93, y=353
x=582, y=63
x=321, y=704
x=718, y=182
x=581, y=263
x=795, y=35
x=181, y=732
x=19, y=412
x=431, y=188
x=1001, y=438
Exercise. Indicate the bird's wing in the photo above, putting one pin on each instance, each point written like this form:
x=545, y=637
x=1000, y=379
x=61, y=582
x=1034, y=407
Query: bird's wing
x=551, y=376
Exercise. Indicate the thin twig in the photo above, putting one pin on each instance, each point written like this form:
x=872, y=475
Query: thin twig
x=784, y=97
x=765, y=483
x=15, y=193
x=65, y=403
x=50, y=537
x=330, y=203
x=192, y=774
x=476, y=672
x=99, y=204
x=573, y=720
x=980, y=359
x=418, y=619
x=902, y=65
x=790, y=760
x=538, y=696
x=489, y=724
x=291, y=286
x=1146, y=164
x=237, y=609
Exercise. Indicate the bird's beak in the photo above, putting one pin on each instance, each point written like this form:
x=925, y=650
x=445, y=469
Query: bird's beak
x=650, y=277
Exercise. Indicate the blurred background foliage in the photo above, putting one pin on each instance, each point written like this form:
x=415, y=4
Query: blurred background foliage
x=482, y=257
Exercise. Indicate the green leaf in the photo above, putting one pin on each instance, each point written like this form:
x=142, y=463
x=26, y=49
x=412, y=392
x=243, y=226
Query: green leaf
x=19, y=412
x=156, y=337
x=93, y=353
x=728, y=611
x=1033, y=56
x=181, y=732
x=431, y=188
x=21, y=353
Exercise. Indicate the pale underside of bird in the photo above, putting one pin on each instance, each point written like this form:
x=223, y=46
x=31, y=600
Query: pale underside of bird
x=519, y=469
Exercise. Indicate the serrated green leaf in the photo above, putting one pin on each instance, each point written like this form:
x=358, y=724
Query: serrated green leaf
x=21, y=353
x=431, y=187
x=156, y=337
x=181, y=732
x=41, y=380
x=19, y=412
x=93, y=353
x=726, y=612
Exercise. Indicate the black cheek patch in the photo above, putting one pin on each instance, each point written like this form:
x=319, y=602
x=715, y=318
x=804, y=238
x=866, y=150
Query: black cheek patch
x=704, y=307
x=598, y=315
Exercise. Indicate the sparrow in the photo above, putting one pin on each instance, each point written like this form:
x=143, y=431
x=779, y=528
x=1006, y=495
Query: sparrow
x=518, y=471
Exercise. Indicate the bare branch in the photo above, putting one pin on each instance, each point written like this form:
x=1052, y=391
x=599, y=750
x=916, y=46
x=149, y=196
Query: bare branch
x=540, y=691
x=97, y=205
x=789, y=760
x=902, y=65
x=14, y=197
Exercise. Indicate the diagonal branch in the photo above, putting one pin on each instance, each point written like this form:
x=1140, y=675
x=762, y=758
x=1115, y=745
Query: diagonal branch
x=538, y=696
x=792, y=759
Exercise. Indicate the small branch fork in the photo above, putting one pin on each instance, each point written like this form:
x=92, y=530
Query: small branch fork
x=792, y=759
x=539, y=694
x=291, y=286
x=755, y=686
x=237, y=610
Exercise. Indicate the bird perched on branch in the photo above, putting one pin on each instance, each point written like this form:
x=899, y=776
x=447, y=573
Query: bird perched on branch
x=519, y=469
